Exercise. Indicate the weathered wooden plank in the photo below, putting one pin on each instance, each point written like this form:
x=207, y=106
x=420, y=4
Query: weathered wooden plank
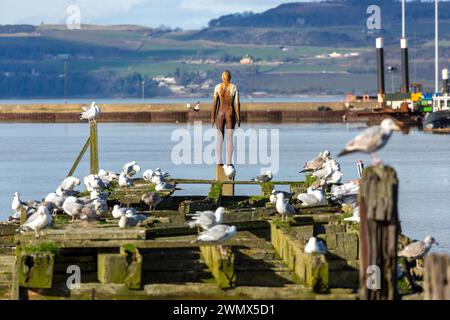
x=379, y=229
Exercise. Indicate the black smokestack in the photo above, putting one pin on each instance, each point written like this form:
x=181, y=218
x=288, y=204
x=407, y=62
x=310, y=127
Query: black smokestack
x=405, y=65
x=380, y=69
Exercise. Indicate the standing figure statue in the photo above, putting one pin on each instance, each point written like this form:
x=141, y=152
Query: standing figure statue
x=226, y=113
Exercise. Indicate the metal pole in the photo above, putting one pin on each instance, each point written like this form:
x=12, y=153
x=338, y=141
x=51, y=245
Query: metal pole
x=436, y=84
x=65, y=81
x=403, y=19
x=380, y=67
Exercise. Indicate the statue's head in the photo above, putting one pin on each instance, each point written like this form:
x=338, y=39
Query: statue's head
x=226, y=76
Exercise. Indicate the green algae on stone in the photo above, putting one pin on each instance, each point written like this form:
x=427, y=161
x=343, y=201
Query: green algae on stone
x=36, y=269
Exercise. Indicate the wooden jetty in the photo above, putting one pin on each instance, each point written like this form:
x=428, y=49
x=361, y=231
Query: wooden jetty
x=266, y=259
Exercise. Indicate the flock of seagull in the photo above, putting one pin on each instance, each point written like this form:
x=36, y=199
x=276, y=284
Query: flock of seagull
x=323, y=168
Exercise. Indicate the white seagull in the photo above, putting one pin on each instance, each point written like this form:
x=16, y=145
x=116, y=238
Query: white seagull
x=125, y=181
x=283, y=206
x=315, y=245
x=90, y=113
x=38, y=221
x=266, y=177
x=207, y=219
x=217, y=234
x=371, y=139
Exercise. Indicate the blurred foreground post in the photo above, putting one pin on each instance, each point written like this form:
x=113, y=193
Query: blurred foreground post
x=436, y=277
x=378, y=233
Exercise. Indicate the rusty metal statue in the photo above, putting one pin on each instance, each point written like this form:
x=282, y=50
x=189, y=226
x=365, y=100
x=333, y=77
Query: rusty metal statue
x=226, y=113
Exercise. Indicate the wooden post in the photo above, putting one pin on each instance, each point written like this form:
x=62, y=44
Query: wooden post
x=228, y=188
x=378, y=233
x=436, y=277
x=94, y=147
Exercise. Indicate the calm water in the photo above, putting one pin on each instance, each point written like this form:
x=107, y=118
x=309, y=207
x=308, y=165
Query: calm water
x=34, y=158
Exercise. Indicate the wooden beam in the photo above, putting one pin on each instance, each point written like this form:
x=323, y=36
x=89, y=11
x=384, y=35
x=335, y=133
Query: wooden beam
x=80, y=156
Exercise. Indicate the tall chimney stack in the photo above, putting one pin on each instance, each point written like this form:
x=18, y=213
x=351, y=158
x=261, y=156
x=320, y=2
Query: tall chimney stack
x=405, y=65
x=380, y=69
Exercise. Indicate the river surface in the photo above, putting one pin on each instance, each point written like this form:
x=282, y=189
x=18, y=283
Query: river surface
x=34, y=158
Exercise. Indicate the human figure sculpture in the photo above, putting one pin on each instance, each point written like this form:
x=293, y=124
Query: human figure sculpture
x=225, y=114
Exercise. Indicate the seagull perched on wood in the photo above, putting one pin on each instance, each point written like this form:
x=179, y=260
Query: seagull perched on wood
x=229, y=170
x=152, y=199
x=207, y=219
x=315, y=245
x=17, y=205
x=317, y=162
x=69, y=184
x=314, y=196
x=273, y=196
x=107, y=176
x=371, y=139
x=283, y=206
x=217, y=234
x=38, y=221
x=162, y=186
x=418, y=249
x=125, y=181
x=117, y=211
x=90, y=113
x=127, y=220
x=266, y=177
x=131, y=168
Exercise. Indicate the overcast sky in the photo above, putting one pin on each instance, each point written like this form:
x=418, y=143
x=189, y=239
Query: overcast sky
x=188, y=14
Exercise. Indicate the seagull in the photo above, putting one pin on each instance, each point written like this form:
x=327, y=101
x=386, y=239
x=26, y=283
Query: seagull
x=217, y=234
x=312, y=197
x=283, y=206
x=162, y=186
x=147, y=175
x=207, y=219
x=273, y=196
x=131, y=168
x=119, y=212
x=152, y=199
x=229, y=171
x=73, y=206
x=93, y=182
x=315, y=245
x=127, y=220
x=418, y=249
x=317, y=162
x=264, y=177
x=372, y=139
x=38, y=221
x=125, y=181
x=17, y=205
x=107, y=176
x=197, y=106
x=90, y=113
x=56, y=199
x=69, y=184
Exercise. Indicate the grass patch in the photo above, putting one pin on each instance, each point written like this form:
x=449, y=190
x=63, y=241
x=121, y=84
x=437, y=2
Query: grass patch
x=42, y=247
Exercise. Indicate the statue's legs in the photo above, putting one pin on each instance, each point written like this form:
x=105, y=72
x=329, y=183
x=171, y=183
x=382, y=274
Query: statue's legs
x=219, y=146
x=230, y=147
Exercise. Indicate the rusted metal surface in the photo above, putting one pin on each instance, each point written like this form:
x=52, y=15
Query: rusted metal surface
x=252, y=116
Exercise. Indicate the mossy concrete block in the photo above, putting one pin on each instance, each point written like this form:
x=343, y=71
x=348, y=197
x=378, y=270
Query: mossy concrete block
x=347, y=246
x=134, y=272
x=221, y=266
x=192, y=206
x=111, y=268
x=36, y=270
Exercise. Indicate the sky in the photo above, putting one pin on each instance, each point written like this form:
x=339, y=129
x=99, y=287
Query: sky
x=187, y=14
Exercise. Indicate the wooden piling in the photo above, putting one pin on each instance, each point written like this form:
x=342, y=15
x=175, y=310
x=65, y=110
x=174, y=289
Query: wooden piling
x=227, y=189
x=94, y=147
x=80, y=156
x=436, y=277
x=378, y=232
